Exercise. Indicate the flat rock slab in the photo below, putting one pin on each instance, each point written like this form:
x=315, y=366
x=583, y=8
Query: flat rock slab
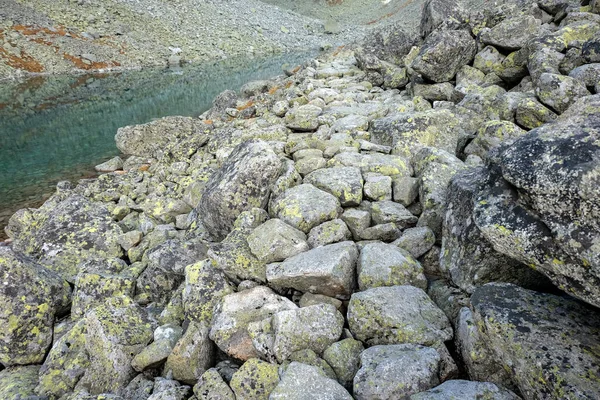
x=345, y=183
x=327, y=270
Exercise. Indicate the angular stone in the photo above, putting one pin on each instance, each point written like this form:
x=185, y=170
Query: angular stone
x=303, y=118
x=305, y=207
x=435, y=12
x=154, y=355
x=383, y=212
x=111, y=165
x=512, y=33
x=383, y=264
x=275, y=240
x=417, y=241
x=409, y=131
x=329, y=232
x=309, y=357
x=204, y=288
x=345, y=183
x=255, y=379
x=240, y=184
x=211, y=386
x=383, y=164
x=443, y=54
x=305, y=382
x=395, y=315
x=19, y=382
x=91, y=290
x=327, y=270
x=314, y=327
x=344, y=358
x=30, y=298
x=378, y=187
x=192, y=355
x=396, y=371
x=531, y=114
x=405, y=190
x=229, y=328
x=558, y=91
x=357, y=221
x=111, y=348
x=515, y=324
x=491, y=135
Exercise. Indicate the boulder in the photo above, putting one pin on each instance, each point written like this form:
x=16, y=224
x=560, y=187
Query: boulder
x=512, y=33
x=179, y=136
x=378, y=187
x=313, y=327
x=396, y=315
x=192, y=355
x=229, y=328
x=305, y=382
x=531, y=114
x=275, y=240
x=435, y=12
x=329, y=232
x=240, y=184
x=64, y=232
x=114, y=164
x=443, y=53
x=203, y=289
x=19, y=382
x=383, y=264
x=544, y=212
x=303, y=118
x=558, y=91
x=255, y=379
x=115, y=332
x=467, y=258
x=396, y=371
x=345, y=183
x=383, y=212
x=409, y=131
x=344, y=358
x=542, y=340
x=211, y=386
x=31, y=296
x=491, y=135
x=305, y=207
x=327, y=270
x=384, y=164
x=417, y=241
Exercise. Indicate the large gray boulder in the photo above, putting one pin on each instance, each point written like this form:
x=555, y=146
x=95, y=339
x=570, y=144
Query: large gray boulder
x=382, y=264
x=545, y=210
x=240, y=184
x=305, y=382
x=178, y=136
x=558, y=91
x=542, y=340
x=396, y=315
x=467, y=258
x=512, y=33
x=30, y=298
x=408, y=132
x=444, y=53
x=345, y=183
x=66, y=231
x=327, y=270
x=229, y=328
x=467, y=390
x=435, y=12
x=396, y=371
x=313, y=327
x=305, y=207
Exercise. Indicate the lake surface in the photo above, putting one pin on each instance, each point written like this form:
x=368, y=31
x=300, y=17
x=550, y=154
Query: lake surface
x=55, y=128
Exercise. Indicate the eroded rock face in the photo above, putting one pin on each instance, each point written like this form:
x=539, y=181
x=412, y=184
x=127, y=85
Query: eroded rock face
x=545, y=211
x=240, y=184
x=444, y=53
x=542, y=339
x=305, y=382
x=467, y=390
x=30, y=298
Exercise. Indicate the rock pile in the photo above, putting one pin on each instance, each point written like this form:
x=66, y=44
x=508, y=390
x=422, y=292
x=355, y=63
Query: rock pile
x=428, y=229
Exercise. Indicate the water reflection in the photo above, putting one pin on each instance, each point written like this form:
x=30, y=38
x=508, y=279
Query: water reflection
x=58, y=127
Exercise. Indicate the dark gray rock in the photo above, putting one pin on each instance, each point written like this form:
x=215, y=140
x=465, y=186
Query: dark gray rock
x=512, y=33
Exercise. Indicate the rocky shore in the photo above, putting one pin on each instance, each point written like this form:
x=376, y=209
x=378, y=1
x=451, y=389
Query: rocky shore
x=416, y=218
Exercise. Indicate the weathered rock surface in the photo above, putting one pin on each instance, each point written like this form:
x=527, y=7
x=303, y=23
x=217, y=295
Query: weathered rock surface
x=304, y=382
x=396, y=371
x=240, y=184
x=467, y=390
x=345, y=183
x=395, y=315
x=31, y=296
x=542, y=339
x=329, y=270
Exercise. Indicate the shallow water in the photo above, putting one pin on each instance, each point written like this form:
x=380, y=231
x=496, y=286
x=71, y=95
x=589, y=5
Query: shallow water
x=55, y=128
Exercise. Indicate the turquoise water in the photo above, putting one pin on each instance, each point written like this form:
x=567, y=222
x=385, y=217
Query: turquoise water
x=55, y=128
